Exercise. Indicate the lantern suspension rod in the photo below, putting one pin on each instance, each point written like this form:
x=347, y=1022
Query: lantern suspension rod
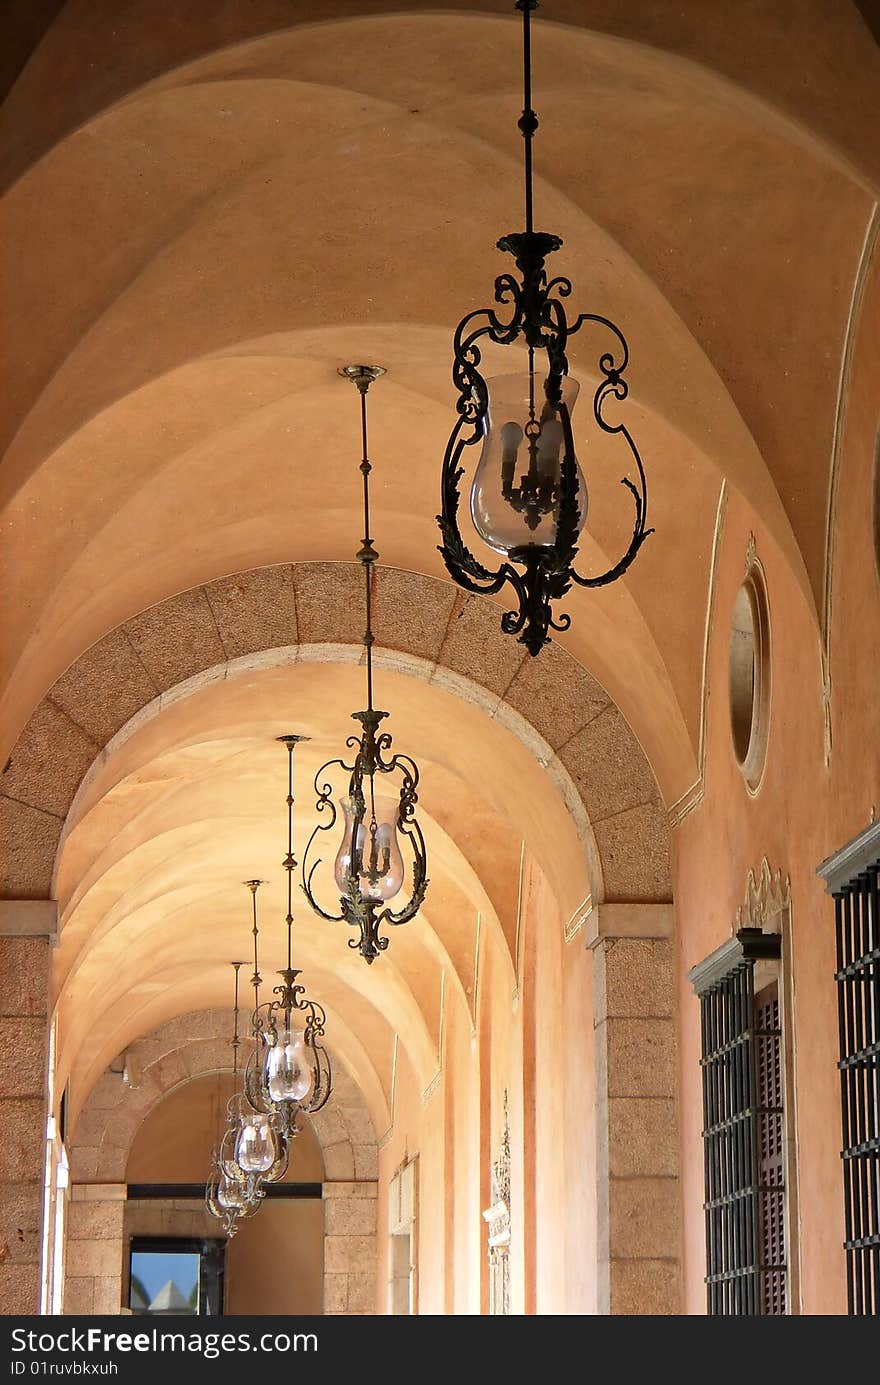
x=289, y=861
x=528, y=121
x=235, y=1037
x=253, y=886
x=363, y=376
x=367, y=554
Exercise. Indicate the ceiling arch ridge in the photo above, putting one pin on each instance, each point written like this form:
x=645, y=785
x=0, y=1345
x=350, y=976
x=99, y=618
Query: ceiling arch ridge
x=329, y=962
x=361, y=1055
x=179, y=906
x=682, y=33
x=168, y=813
x=111, y=1114
x=709, y=82
x=638, y=280
x=536, y=691
x=153, y=567
x=180, y=225
x=413, y=666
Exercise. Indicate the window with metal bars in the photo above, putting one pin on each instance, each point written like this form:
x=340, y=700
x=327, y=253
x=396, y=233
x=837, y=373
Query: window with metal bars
x=744, y=1146
x=851, y=876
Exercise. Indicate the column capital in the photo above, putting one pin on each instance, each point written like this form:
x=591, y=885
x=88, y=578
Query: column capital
x=29, y=918
x=607, y=922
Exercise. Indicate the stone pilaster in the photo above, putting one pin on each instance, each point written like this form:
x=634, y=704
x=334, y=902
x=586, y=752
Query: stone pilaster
x=94, y=1248
x=350, y=1211
x=639, y=1240
x=24, y=1046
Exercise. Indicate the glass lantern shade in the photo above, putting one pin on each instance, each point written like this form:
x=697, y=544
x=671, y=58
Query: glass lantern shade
x=255, y=1148
x=288, y=1070
x=229, y=1195
x=515, y=490
x=370, y=852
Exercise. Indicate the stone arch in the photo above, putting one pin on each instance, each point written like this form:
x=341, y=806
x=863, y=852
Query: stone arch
x=187, y=1047
x=579, y=733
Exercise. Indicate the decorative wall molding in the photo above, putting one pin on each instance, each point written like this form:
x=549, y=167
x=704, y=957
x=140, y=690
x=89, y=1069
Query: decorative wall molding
x=872, y=231
x=767, y=895
x=693, y=797
x=578, y=919
x=497, y=1218
x=840, y=869
x=29, y=918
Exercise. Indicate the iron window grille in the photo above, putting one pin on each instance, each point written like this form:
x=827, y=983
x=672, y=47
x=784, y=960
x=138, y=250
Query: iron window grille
x=851, y=876
x=744, y=1147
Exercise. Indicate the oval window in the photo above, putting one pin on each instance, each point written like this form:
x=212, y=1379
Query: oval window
x=750, y=677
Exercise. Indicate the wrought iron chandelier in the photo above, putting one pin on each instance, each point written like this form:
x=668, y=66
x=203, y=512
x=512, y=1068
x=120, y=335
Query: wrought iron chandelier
x=289, y=1070
x=369, y=866
x=528, y=497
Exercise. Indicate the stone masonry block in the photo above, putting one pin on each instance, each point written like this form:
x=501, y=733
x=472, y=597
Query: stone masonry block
x=411, y=612
x=30, y=839
x=176, y=639
x=106, y=686
x=474, y=646
x=556, y=695
x=644, y=1218
x=24, y=976
x=255, y=610
x=23, y=1056
x=48, y=760
x=642, y=1137
x=634, y=977
x=640, y=1057
x=636, y=872
x=645, y=1287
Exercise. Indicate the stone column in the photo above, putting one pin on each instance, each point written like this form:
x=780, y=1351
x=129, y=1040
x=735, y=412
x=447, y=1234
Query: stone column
x=25, y=930
x=350, y=1251
x=639, y=1240
x=93, y=1249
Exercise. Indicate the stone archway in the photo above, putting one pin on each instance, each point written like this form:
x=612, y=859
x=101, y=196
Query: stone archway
x=185, y=1048
x=570, y=726
x=579, y=736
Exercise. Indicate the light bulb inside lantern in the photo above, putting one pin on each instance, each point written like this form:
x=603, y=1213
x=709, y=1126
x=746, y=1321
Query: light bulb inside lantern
x=515, y=491
x=229, y=1195
x=369, y=853
x=288, y=1070
x=255, y=1149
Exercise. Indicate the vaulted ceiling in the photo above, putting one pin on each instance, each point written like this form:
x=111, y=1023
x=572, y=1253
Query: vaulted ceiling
x=210, y=207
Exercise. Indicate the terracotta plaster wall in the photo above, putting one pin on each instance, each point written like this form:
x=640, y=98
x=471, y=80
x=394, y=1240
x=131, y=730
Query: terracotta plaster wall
x=499, y=1044
x=804, y=810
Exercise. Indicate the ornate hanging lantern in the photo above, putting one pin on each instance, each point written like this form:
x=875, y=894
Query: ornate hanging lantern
x=234, y=1186
x=369, y=867
x=290, y=1070
x=528, y=497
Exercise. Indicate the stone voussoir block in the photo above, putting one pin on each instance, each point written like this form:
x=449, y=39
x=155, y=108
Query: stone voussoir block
x=48, y=760
x=474, y=646
x=255, y=610
x=642, y=874
x=176, y=639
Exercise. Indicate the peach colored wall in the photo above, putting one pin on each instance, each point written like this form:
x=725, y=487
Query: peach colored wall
x=522, y=1035
x=275, y=1264
x=804, y=811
